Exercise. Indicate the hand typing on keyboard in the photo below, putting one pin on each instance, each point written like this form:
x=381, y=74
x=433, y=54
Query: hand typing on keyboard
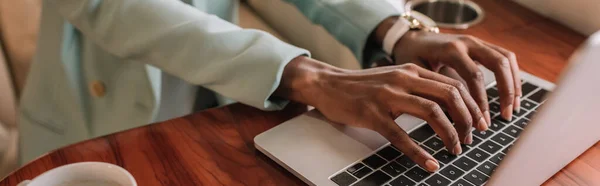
x=373, y=98
x=455, y=56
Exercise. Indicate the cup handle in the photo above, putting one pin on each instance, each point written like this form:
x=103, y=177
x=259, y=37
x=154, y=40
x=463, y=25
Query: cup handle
x=24, y=183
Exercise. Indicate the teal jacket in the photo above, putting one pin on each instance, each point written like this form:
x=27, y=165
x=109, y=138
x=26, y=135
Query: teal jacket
x=100, y=64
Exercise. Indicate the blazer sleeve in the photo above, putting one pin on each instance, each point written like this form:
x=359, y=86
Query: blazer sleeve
x=350, y=22
x=243, y=64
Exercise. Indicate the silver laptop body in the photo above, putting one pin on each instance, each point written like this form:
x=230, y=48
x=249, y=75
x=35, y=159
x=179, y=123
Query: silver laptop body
x=320, y=152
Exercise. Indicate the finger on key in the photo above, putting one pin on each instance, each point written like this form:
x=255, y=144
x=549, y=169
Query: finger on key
x=398, y=137
x=516, y=72
x=470, y=73
x=455, y=97
x=431, y=112
x=501, y=67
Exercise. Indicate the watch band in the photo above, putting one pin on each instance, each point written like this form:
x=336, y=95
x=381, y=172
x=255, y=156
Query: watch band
x=394, y=34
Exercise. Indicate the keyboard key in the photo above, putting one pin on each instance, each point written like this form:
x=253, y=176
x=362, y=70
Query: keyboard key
x=452, y=172
x=528, y=104
x=499, y=118
x=490, y=147
x=483, y=134
x=444, y=156
x=476, y=141
x=497, y=158
x=442, y=165
x=497, y=125
x=487, y=168
x=362, y=172
x=494, y=108
x=465, y=148
x=405, y=161
x=402, y=181
x=417, y=174
x=492, y=93
x=343, y=179
x=393, y=169
x=513, y=131
x=522, y=122
x=389, y=153
x=538, y=96
x=434, y=143
x=465, y=163
x=478, y=155
x=520, y=113
x=355, y=168
x=505, y=150
x=502, y=139
x=476, y=178
x=437, y=180
x=376, y=179
x=462, y=182
x=530, y=115
x=427, y=149
x=374, y=161
x=422, y=133
x=527, y=88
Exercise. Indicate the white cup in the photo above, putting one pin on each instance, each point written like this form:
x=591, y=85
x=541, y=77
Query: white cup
x=85, y=173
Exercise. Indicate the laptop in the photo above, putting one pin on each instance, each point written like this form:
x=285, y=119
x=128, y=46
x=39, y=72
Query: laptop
x=556, y=124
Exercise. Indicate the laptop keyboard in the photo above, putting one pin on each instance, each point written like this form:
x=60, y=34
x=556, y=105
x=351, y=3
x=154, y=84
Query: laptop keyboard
x=474, y=166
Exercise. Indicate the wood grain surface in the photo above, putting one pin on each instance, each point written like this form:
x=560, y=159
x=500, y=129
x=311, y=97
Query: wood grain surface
x=215, y=147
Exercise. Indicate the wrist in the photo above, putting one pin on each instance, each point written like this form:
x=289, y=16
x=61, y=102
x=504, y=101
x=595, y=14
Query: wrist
x=408, y=44
x=410, y=36
x=382, y=29
x=302, y=78
x=408, y=39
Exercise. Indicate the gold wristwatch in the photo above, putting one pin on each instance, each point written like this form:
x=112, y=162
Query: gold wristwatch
x=416, y=21
x=419, y=21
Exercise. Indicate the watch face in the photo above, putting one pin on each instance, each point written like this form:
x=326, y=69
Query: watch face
x=418, y=21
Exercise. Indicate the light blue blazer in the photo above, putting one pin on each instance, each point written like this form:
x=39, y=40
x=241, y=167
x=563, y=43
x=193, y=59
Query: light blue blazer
x=129, y=45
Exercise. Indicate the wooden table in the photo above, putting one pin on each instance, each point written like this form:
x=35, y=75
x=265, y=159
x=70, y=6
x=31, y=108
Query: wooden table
x=215, y=147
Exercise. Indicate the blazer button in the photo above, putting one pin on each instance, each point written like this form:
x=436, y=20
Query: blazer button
x=97, y=89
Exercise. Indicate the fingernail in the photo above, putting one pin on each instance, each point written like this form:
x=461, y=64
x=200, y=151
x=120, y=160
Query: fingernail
x=482, y=124
x=457, y=149
x=518, y=104
x=488, y=118
x=483, y=127
x=432, y=165
x=507, y=112
x=469, y=139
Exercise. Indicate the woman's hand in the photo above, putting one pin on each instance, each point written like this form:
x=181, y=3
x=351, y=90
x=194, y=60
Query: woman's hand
x=373, y=98
x=462, y=53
